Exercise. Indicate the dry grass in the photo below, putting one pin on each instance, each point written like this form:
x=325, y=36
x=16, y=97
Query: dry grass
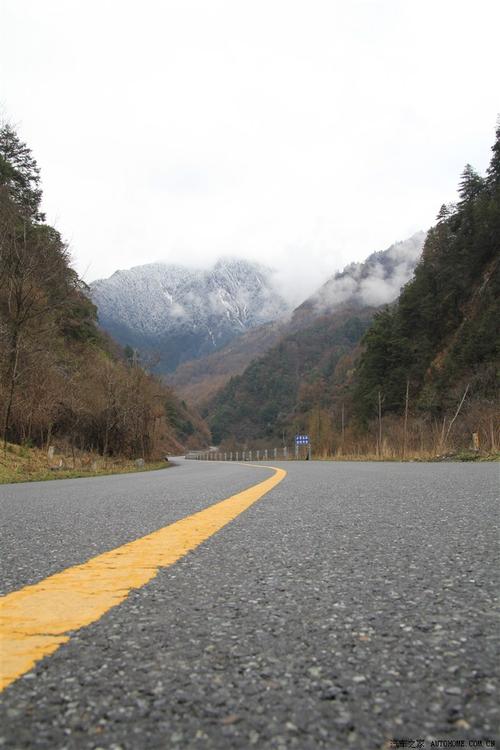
x=418, y=456
x=22, y=464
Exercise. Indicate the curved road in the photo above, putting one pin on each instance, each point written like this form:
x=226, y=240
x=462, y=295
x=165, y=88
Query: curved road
x=351, y=606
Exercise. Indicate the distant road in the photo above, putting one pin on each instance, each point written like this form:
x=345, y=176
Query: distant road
x=351, y=606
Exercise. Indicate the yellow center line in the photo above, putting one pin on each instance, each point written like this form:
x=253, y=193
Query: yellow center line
x=37, y=619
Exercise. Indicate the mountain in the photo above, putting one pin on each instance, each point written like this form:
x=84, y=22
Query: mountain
x=373, y=282
x=180, y=313
x=358, y=287
x=314, y=353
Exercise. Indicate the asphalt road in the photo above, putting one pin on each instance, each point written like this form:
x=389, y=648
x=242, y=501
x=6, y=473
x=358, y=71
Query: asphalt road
x=351, y=606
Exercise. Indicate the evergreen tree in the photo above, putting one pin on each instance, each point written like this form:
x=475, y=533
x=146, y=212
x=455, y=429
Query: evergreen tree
x=443, y=214
x=493, y=170
x=20, y=174
x=471, y=184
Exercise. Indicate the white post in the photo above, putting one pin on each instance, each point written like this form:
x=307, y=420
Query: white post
x=265, y=455
x=258, y=455
x=249, y=455
x=285, y=452
x=275, y=453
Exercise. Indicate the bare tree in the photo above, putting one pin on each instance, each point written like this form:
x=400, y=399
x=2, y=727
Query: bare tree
x=36, y=281
x=456, y=414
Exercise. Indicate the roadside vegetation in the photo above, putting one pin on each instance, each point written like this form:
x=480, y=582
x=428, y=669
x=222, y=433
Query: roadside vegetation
x=21, y=463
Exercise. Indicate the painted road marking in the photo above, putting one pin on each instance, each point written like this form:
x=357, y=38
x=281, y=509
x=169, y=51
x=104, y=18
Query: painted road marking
x=37, y=619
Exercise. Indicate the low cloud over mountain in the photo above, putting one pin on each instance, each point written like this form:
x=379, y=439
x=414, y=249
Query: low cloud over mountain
x=376, y=281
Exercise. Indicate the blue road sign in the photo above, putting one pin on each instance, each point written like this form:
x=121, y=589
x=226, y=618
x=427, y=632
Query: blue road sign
x=301, y=439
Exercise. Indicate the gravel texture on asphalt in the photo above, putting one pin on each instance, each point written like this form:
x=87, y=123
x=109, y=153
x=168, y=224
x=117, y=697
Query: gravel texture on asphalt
x=48, y=526
x=352, y=605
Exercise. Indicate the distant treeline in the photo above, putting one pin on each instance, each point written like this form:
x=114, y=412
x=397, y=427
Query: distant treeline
x=418, y=376
x=61, y=378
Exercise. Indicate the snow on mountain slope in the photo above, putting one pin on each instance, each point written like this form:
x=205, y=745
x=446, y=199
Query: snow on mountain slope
x=181, y=313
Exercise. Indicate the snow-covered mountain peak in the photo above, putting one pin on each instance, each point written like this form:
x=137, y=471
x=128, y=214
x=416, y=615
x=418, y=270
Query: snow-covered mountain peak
x=194, y=311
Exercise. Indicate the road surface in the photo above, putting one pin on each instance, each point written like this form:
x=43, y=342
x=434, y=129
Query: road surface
x=351, y=606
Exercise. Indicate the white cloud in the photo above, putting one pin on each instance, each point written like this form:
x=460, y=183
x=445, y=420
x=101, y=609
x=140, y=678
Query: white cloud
x=300, y=134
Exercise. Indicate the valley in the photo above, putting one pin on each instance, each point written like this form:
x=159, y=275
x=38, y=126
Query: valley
x=180, y=358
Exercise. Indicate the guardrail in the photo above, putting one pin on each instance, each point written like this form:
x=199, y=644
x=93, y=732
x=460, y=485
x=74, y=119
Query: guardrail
x=255, y=455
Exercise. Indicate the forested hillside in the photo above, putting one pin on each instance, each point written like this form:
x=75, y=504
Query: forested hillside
x=442, y=337
x=422, y=378
x=61, y=379
x=199, y=380
x=276, y=393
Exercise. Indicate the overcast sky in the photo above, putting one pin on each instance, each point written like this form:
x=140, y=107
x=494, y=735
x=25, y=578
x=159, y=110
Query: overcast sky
x=301, y=133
